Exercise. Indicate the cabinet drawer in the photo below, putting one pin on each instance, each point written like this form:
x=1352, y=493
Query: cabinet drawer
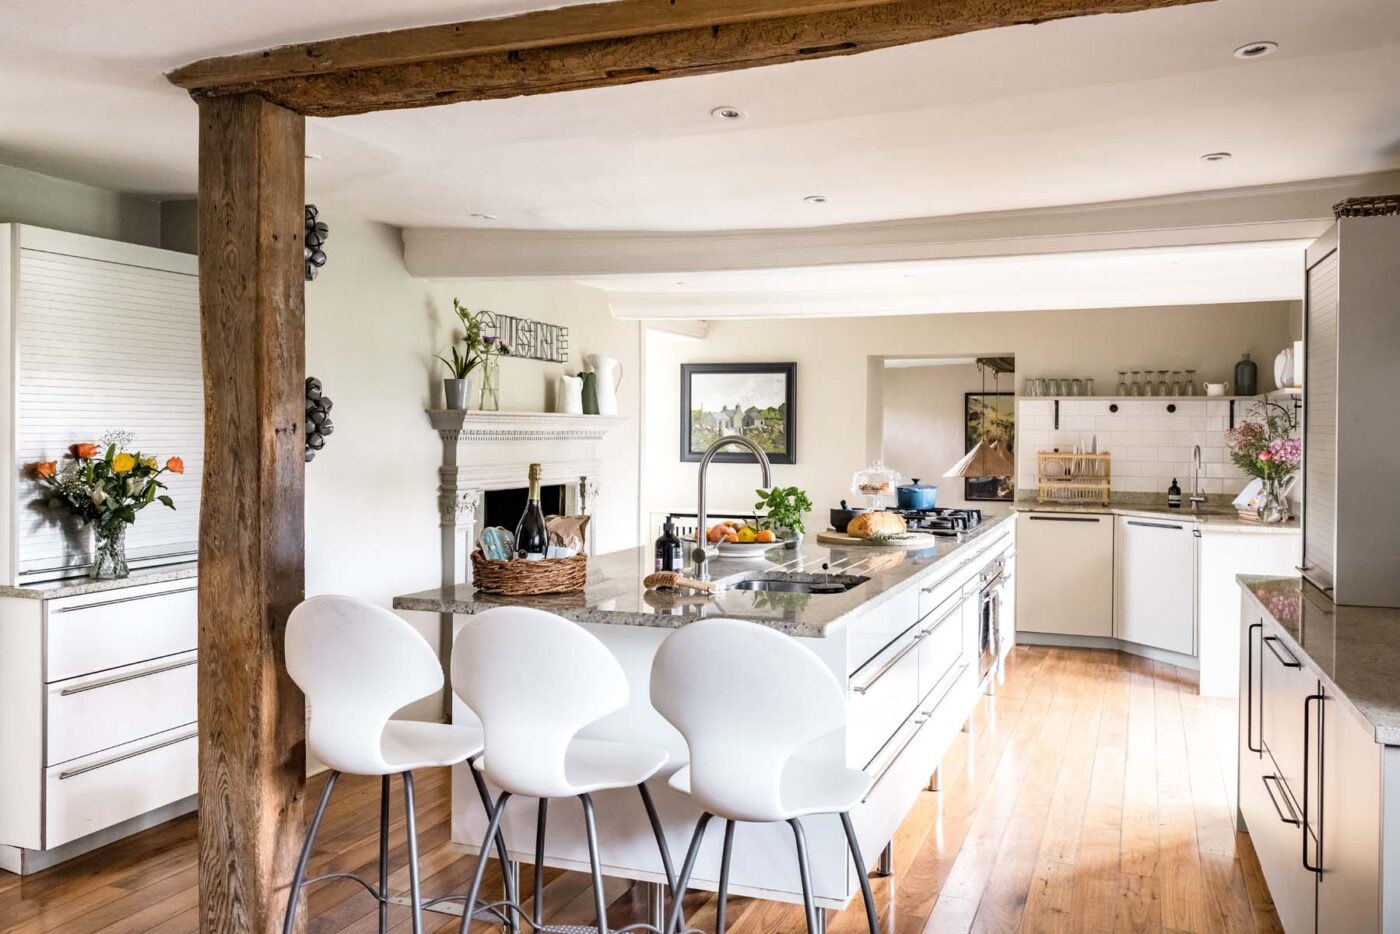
x=1286, y=682
x=883, y=694
x=90, y=794
x=1275, y=830
x=120, y=627
x=873, y=632
x=110, y=708
x=941, y=646
x=933, y=595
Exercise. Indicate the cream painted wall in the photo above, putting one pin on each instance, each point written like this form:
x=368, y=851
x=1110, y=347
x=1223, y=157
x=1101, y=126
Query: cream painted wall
x=832, y=358
x=923, y=422
x=44, y=201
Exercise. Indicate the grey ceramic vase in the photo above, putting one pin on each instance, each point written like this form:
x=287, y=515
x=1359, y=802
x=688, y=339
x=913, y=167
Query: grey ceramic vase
x=1246, y=377
x=455, y=393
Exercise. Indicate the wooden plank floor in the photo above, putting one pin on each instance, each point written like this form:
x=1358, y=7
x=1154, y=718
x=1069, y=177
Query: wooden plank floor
x=1086, y=795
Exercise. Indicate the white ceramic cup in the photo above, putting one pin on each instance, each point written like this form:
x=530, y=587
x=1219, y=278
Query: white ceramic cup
x=1217, y=389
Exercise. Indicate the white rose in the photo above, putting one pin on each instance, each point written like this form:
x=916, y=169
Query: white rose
x=99, y=496
x=138, y=485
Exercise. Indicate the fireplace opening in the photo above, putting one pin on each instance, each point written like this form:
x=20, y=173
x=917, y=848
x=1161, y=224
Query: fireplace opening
x=505, y=507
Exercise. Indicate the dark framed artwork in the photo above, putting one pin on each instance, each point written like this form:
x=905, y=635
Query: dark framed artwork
x=990, y=416
x=756, y=400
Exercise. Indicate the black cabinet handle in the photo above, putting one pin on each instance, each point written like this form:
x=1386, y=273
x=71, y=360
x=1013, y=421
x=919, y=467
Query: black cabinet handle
x=1292, y=817
x=1307, y=702
x=1064, y=518
x=1155, y=525
x=1290, y=662
x=1249, y=690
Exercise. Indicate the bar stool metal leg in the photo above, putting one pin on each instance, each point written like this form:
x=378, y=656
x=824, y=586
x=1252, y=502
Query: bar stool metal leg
x=664, y=847
x=541, y=821
x=510, y=879
x=599, y=899
x=384, y=855
x=804, y=870
x=865, y=893
x=305, y=858
x=492, y=825
x=411, y=823
x=696, y=839
x=724, y=876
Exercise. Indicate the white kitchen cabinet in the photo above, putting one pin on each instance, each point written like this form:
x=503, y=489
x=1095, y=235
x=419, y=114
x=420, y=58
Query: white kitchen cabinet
x=1064, y=574
x=1154, y=583
x=1349, y=815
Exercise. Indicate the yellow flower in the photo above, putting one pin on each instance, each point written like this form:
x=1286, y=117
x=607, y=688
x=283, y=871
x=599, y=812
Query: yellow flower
x=123, y=463
x=149, y=463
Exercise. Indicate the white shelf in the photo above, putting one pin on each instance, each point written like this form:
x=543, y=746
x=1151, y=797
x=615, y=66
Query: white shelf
x=1196, y=398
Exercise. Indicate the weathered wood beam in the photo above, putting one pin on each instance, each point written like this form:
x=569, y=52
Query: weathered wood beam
x=600, y=45
x=252, y=754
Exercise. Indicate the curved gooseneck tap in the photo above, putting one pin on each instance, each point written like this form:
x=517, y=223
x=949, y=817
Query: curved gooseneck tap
x=701, y=521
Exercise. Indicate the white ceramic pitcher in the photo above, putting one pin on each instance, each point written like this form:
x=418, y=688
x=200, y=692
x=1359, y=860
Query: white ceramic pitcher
x=569, y=395
x=609, y=373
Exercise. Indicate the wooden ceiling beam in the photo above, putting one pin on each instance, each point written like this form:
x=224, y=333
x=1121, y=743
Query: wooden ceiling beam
x=599, y=45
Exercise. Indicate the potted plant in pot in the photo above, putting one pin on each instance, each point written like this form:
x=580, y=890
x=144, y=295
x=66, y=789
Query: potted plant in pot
x=786, y=506
x=471, y=351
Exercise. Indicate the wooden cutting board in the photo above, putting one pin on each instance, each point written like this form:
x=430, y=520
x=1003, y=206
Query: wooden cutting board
x=914, y=540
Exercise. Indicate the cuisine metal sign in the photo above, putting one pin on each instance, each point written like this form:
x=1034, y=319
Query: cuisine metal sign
x=533, y=340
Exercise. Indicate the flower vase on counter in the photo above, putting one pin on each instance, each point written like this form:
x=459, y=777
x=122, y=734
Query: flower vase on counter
x=109, y=552
x=1273, y=503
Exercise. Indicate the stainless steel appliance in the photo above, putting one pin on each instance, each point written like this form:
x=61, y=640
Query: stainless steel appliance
x=941, y=521
x=989, y=628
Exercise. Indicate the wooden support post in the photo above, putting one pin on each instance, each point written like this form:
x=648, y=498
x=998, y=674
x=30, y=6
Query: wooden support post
x=252, y=752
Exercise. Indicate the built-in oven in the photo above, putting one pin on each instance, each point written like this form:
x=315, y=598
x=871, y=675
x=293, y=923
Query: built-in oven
x=990, y=602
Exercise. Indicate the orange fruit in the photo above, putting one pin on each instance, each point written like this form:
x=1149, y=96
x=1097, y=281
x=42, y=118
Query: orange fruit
x=765, y=537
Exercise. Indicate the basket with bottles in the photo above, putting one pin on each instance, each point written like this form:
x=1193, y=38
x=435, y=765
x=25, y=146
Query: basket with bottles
x=540, y=557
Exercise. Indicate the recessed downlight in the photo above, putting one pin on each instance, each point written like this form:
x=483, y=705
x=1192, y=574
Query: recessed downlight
x=727, y=114
x=484, y=217
x=1256, y=49
x=1216, y=157
x=815, y=199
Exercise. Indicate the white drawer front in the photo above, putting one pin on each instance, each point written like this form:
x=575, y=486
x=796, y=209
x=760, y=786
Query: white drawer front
x=97, y=712
x=933, y=595
x=120, y=627
x=874, y=630
x=90, y=794
x=942, y=645
x=883, y=694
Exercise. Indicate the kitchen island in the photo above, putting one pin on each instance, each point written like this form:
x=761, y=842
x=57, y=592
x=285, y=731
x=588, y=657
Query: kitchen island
x=916, y=641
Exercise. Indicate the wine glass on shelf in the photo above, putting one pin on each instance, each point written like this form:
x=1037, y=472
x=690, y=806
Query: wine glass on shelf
x=1122, y=383
x=1176, y=383
x=1162, y=388
x=1135, y=389
x=1190, y=386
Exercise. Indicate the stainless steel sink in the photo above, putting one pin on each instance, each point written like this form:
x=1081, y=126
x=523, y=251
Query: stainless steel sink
x=800, y=583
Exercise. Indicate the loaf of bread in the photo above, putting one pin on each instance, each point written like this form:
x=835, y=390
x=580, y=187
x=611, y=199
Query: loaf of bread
x=876, y=525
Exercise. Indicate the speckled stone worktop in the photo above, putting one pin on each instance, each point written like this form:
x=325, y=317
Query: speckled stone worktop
x=78, y=586
x=615, y=593
x=1213, y=516
x=1354, y=650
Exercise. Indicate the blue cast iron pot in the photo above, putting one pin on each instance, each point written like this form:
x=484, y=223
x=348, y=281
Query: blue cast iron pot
x=916, y=495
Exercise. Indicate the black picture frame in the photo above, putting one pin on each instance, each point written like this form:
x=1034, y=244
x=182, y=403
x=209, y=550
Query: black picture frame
x=988, y=489
x=787, y=431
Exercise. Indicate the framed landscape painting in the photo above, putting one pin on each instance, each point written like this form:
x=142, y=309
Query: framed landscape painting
x=990, y=416
x=755, y=400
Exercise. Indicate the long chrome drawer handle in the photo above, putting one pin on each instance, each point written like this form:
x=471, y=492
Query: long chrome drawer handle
x=913, y=644
x=126, y=755
x=947, y=577
x=116, y=600
x=1155, y=525
x=108, y=682
x=885, y=769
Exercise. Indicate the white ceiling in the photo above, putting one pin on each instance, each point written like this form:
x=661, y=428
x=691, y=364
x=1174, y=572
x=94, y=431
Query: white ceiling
x=1076, y=111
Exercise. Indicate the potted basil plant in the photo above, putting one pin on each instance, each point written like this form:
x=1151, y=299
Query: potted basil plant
x=786, y=505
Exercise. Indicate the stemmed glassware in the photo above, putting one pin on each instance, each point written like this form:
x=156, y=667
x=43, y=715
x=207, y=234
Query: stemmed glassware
x=1136, y=388
x=1190, y=383
x=1162, y=388
x=1122, y=382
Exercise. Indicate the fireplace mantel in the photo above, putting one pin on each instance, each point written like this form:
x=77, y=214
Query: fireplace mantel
x=470, y=427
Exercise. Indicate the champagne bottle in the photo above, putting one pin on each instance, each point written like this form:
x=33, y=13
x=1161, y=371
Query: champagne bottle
x=531, y=535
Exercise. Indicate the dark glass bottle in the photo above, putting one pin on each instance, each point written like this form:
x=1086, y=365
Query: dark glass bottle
x=1246, y=377
x=1174, y=495
x=668, y=548
x=531, y=535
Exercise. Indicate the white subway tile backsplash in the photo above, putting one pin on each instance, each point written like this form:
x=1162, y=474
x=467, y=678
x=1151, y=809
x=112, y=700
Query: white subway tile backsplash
x=1076, y=422
x=1045, y=422
x=1036, y=407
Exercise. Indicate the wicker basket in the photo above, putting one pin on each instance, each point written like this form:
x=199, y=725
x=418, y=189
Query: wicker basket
x=522, y=578
x=1377, y=206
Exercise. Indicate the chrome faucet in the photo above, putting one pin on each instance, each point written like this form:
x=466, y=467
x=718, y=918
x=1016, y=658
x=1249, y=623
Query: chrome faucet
x=701, y=532
x=1196, y=497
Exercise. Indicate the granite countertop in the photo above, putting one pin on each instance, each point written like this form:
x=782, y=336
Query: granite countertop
x=615, y=593
x=1355, y=650
x=1213, y=516
x=78, y=586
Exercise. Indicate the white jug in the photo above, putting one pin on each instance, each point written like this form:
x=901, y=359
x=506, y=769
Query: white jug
x=609, y=380
x=569, y=395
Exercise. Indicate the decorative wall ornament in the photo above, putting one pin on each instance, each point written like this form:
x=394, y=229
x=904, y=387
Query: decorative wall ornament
x=533, y=340
x=318, y=417
x=312, y=251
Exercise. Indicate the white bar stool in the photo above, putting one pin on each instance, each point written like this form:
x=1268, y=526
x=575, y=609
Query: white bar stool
x=746, y=697
x=357, y=664
x=535, y=680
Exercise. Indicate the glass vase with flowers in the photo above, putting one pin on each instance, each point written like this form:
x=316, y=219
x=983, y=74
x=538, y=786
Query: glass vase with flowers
x=106, y=489
x=1267, y=447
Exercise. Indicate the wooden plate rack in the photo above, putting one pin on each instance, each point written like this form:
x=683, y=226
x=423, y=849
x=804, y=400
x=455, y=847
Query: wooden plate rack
x=1073, y=478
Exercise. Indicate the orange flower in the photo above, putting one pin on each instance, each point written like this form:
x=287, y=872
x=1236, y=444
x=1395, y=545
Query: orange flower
x=46, y=470
x=175, y=465
x=83, y=451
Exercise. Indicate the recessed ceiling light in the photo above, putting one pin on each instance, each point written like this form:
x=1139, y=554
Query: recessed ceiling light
x=908, y=275
x=313, y=156
x=727, y=113
x=815, y=199
x=1215, y=157
x=680, y=283
x=1256, y=49
x=484, y=217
